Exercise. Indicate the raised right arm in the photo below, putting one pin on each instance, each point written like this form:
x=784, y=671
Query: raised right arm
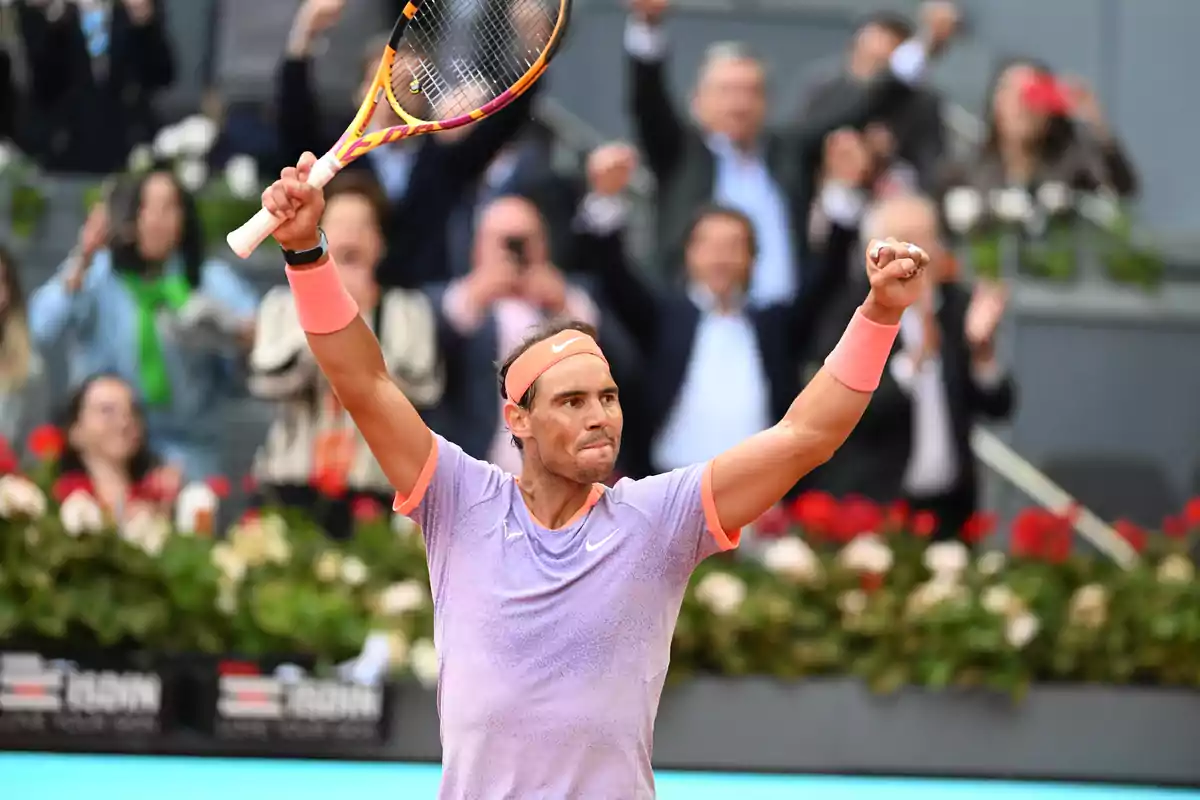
x=344, y=346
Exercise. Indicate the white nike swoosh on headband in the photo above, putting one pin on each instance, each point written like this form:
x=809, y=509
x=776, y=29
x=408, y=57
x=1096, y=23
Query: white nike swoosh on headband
x=558, y=348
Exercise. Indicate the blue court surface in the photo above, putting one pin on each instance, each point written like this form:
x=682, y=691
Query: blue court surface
x=63, y=777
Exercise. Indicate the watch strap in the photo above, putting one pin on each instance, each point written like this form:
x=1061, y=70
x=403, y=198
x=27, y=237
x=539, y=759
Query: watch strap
x=300, y=258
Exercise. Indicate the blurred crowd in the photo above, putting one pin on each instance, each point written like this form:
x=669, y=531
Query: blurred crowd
x=455, y=244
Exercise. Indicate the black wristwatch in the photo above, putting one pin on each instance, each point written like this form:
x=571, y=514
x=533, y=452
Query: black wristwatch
x=300, y=258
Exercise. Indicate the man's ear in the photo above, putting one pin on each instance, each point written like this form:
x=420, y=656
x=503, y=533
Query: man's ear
x=517, y=420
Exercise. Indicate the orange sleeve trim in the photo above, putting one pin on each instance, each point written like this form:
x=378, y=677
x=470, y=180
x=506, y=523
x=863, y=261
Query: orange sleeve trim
x=726, y=540
x=405, y=505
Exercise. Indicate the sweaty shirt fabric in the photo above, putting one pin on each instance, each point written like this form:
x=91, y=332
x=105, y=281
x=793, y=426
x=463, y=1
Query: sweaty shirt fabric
x=554, y=644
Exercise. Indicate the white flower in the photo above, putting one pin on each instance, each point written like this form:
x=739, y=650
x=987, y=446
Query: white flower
x=227, y=597
x=1012, y=205
x=721, y=592
x=20, y=497
x=241, y=173
x=423, y=659
x=147, y=530
x=168, y=143
x=1089, y=606
x=354, y=571
x=991, y=563
x=192, y=173
x=1100, y=209
x=852, y=603
x=963, y=208
x=401, y=598
x=328, y=566
x=1001, y=601
x=80, y=513
x=1176, y=569
x=867, y=553
x=1020, y=630
x=228, y=561
x=934, y=593
x=259, y=540
x=947, y=559
x=197, y=134
x=196, y=508
x=792, y=558
x=140, y=158
x=6, y=156
x=1054, y=197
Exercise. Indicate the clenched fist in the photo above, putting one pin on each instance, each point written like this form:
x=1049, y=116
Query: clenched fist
x=297, y=204
x=896, y=272
x=649, y=11
x=610, y=168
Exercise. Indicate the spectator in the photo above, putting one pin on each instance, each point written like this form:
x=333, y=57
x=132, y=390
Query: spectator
x=512, y=287
x=729, y=158
x=1041, y=129
x=424, y=178
x=913, y=442
x=313, y=456
x=910, y=129
x=21, y=373
x=106, y=452
x=723, y=370
x=152, y=310
x=92, y=61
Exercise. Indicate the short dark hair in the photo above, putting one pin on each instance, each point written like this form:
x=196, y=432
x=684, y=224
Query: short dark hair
x=538, y=334
x=893, y=22
x=710, y=210
x=361, y=183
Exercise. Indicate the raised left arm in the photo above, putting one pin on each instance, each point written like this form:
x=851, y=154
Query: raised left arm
x=750, y=478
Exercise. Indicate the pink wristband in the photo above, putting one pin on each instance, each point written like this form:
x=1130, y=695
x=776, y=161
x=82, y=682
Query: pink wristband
x=322, y=302
x=860, y=356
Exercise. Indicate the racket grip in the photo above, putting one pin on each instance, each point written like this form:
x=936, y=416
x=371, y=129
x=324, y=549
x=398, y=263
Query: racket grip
x=246, y=239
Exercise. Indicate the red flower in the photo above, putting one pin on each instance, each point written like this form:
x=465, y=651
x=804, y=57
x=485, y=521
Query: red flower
x=978, y=527
x=249, y=484
x=772, y=524
x=896, y=516
x=1175, y=527
x=924, y=523
x=870, y=581
x=1131, y=533
x=856, y=516
x=815, y=512
x=219, y=484
x=1041, y=534
x=1191, y=513
x=8, y=459
x=47, y=442
x=366, y=509
x=69, y=483
x=251, y=515
x=331, y=483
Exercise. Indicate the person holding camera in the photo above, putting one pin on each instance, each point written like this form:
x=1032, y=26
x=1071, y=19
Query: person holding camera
x=512, y=287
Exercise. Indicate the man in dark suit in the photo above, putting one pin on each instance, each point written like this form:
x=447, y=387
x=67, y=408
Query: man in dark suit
x=913, y=443
x=424, y=177
x=725, y=156
x=913, y=119
x=718, y=369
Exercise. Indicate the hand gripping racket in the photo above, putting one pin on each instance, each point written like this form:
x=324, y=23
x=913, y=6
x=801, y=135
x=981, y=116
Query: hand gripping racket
x=447, y=63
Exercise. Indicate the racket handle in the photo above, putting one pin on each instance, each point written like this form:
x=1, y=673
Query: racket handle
x=246, y=239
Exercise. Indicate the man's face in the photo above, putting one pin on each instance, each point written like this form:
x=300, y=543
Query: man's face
x=505, y=220
x=356, y=244
x=719, y=255
x=731, y=98
x=873, y=47
x=574, y=423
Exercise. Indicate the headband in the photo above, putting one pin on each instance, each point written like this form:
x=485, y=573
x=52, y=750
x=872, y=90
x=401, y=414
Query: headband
x=531, y=364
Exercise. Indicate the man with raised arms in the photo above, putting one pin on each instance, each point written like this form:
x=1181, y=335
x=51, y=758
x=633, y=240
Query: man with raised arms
x=555, y=598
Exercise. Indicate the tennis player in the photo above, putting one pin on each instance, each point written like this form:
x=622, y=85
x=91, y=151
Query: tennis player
x=555, y=598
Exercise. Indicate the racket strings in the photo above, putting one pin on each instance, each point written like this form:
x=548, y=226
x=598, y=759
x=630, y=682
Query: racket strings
x=457, y=55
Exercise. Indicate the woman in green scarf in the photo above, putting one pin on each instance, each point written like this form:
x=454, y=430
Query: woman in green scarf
x=138, y=298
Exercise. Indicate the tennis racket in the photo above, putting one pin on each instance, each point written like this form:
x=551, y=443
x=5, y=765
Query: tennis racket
x=447, y=63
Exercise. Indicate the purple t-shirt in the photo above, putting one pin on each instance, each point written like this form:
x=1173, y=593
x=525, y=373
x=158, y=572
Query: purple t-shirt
x=554, y=644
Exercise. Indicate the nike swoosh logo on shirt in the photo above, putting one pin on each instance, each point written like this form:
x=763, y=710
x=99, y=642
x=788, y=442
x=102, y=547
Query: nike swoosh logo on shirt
x=558, y=348
x=594, y=546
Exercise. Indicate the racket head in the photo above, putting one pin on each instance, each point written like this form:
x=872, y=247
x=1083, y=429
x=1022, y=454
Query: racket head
x=452, y=62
